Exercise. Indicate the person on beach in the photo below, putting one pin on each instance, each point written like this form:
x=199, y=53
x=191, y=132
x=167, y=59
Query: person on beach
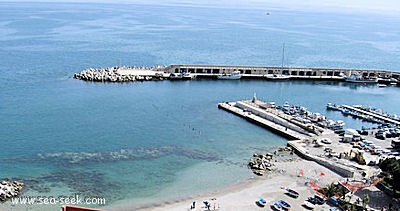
x=194, y=205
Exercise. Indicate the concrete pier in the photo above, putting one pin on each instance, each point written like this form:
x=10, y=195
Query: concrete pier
x=313, y=73
x=386, y=119
x=270, y=121
x=300, y=135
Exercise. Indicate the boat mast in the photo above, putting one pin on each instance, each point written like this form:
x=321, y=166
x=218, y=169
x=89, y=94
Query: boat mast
x=283, y=54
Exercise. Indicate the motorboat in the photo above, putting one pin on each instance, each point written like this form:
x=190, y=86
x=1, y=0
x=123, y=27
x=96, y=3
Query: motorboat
x=276, y=77
x=326, y=141
x=235, y=75
x=292, y=193
x=357, y=78
x=284, y=204
x=276, y=206
x=309, y=204
x=382, y=85
x=261, y=202
x=181, y=76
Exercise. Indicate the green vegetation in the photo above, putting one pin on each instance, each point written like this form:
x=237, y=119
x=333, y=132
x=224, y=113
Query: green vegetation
x=392, y=179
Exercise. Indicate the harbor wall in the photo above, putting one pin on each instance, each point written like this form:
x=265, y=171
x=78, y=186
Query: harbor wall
x=273, y=126
x=295, y=72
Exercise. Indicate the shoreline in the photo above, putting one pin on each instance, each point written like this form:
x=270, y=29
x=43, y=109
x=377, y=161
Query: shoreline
x=271, y=187
x=242, y=196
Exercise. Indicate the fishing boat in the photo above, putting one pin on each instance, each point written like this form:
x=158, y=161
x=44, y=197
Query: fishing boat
x=276, y=206
x=292, y=193
x=357, y=78
x=276, y=77
x=309, y=204
x=181, y=76
x=235, y=75
x=382, y=85
x=261, y=202
x=284, y=205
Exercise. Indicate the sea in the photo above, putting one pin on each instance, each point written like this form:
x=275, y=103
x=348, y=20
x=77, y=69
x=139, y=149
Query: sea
x=138, y=144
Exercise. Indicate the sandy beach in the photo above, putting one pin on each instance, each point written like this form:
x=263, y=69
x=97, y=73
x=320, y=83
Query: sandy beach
x=270, y=187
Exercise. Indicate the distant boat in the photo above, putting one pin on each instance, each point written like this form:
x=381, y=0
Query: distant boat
x=181, y=76
x=382, y=85
x=235, y=75
x=276, y=77
x=357, y=78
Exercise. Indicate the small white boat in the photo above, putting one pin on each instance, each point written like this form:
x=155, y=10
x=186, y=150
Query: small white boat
x=326, y=141
x=181, y=76
x=235, y=75
x=276, y=77
x=309, y=205
x=382, y=85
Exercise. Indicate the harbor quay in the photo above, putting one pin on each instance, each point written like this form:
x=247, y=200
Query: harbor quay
x=192, y=71
x=315, y=138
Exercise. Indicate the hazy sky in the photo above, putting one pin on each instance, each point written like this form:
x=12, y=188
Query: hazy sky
x=391, y=7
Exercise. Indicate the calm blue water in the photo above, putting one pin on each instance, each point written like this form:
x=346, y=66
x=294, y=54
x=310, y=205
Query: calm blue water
x=134, y=142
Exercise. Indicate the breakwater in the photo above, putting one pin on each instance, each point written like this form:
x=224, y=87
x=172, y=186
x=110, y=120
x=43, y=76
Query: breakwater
x=120, y=74
x=125, y=74
x=10, y=189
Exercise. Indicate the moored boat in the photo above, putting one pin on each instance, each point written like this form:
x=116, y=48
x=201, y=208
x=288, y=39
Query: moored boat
x=357, y=78
x=382, y=85
x=235, y=75
x=181, y=76
x=276, y=77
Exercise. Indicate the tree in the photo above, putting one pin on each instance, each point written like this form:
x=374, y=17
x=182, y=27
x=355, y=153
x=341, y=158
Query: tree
x=365, y=200
x=392, y=166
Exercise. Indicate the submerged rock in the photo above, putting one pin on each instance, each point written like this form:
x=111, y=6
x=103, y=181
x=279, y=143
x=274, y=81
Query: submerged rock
x=69, y=158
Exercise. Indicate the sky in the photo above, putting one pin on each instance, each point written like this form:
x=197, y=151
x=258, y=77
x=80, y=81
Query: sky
x=388, y=7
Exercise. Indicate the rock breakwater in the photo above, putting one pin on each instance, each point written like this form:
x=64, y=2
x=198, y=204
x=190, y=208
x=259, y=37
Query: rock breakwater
x=121, y=74
x=10, y=189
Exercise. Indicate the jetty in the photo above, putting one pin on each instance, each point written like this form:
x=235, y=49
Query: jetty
x=312, y=136
x=127, y=73
x=366, y=113
x=375, y=115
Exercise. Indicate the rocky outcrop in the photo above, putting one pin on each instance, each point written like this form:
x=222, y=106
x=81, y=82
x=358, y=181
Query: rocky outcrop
x=10, y=189
x=260, y=163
